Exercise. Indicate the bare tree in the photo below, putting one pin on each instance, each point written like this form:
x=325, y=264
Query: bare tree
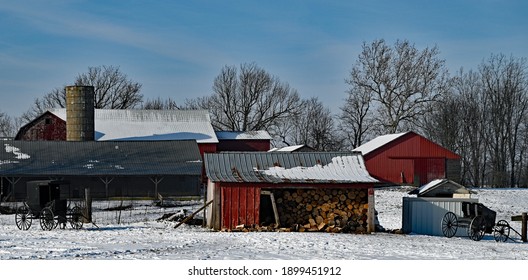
x=248, y=99
x=356, y=119
x=505, y=84
x=159, y=104
x=400, y=80
x=7, y=128
x=473, y=147
x=313, y=126
x=113, y=90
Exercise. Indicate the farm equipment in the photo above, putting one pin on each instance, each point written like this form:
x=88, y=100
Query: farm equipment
x=477, y=219
x=47, y=202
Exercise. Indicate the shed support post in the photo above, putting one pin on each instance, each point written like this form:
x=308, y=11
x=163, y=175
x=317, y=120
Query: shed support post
x=156, y=180
x=12, y=181
x=106, y=181
x=371, y=227
x=523, y=227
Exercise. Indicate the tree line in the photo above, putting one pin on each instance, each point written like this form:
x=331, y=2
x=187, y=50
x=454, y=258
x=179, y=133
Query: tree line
x=478, y=113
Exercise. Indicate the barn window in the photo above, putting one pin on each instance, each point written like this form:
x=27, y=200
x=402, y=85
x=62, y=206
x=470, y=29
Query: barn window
x=47, y=121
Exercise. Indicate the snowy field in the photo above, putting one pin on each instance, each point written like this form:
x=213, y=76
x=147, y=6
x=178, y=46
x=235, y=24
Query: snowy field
x=134, y=234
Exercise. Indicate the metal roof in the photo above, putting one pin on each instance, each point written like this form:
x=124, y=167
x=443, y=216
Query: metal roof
x=311, y=167
x=378, y=142
x=112, y=124
x=108, y=158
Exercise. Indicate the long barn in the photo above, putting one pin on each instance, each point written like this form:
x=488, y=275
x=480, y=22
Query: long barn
x=108, y=168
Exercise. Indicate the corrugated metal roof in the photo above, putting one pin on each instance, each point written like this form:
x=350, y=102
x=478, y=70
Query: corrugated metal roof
x=243, y=135
x=313, y=167
x=108, y=158
x=378, y=142
x=111, y=124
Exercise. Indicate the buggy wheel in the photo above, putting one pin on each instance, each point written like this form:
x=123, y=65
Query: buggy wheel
x=501, y=231
x=476, y=228
x=47, y=220
x=23, y=218
x=449, y=224
x=76, y=218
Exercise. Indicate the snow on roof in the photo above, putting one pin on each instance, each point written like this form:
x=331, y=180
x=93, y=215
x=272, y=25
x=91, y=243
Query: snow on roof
x=378, y=142
x=430, y=185
x=157, y=125
x=341, y=169
x=310, y=167
x=243, y=135
x=441, y=186
x=287, y=149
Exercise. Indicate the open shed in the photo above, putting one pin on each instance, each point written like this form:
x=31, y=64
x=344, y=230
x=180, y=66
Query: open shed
x=289, y=189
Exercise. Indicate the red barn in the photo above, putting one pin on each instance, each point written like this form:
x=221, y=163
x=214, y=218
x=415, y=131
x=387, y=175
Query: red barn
x=409, y=158
x=47, y=126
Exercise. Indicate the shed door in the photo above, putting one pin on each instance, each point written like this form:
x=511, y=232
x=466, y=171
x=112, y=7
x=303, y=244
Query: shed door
x=429, y=169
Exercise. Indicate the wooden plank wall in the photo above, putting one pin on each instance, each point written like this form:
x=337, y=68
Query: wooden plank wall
x=240, y=205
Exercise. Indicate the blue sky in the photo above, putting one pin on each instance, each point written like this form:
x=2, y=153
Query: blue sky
x=176, y=48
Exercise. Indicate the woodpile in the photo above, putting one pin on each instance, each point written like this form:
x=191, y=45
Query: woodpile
x=330, y=210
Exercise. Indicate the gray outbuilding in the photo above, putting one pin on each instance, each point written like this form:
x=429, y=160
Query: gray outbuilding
x=423, y=214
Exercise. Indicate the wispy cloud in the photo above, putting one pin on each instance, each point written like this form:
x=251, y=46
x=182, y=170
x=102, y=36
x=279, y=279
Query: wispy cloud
x=66, y=20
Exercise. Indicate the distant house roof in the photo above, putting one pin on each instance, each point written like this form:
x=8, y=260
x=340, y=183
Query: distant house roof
x=441, y=188
x=243, y=135
x=314, y=167
x=92, y=158
x=378, y=142
x=111, y=124
x=293, y=148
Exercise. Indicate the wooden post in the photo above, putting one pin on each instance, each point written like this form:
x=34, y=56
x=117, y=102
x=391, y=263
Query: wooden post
x=88, y=206
x=371, y=227
x=523, y=229
x=274, y=207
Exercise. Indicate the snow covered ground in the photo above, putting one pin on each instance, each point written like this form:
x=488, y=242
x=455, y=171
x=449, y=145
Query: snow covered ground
x=134, y=234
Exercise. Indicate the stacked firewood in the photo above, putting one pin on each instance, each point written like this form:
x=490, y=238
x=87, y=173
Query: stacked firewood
x=330, y=210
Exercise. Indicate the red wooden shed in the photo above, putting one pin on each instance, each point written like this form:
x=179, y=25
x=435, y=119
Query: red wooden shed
x=409, y=158
x=241, y=184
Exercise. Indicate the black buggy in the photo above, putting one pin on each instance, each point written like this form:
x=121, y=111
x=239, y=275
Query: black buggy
x=477, y=219
x=47, y=201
